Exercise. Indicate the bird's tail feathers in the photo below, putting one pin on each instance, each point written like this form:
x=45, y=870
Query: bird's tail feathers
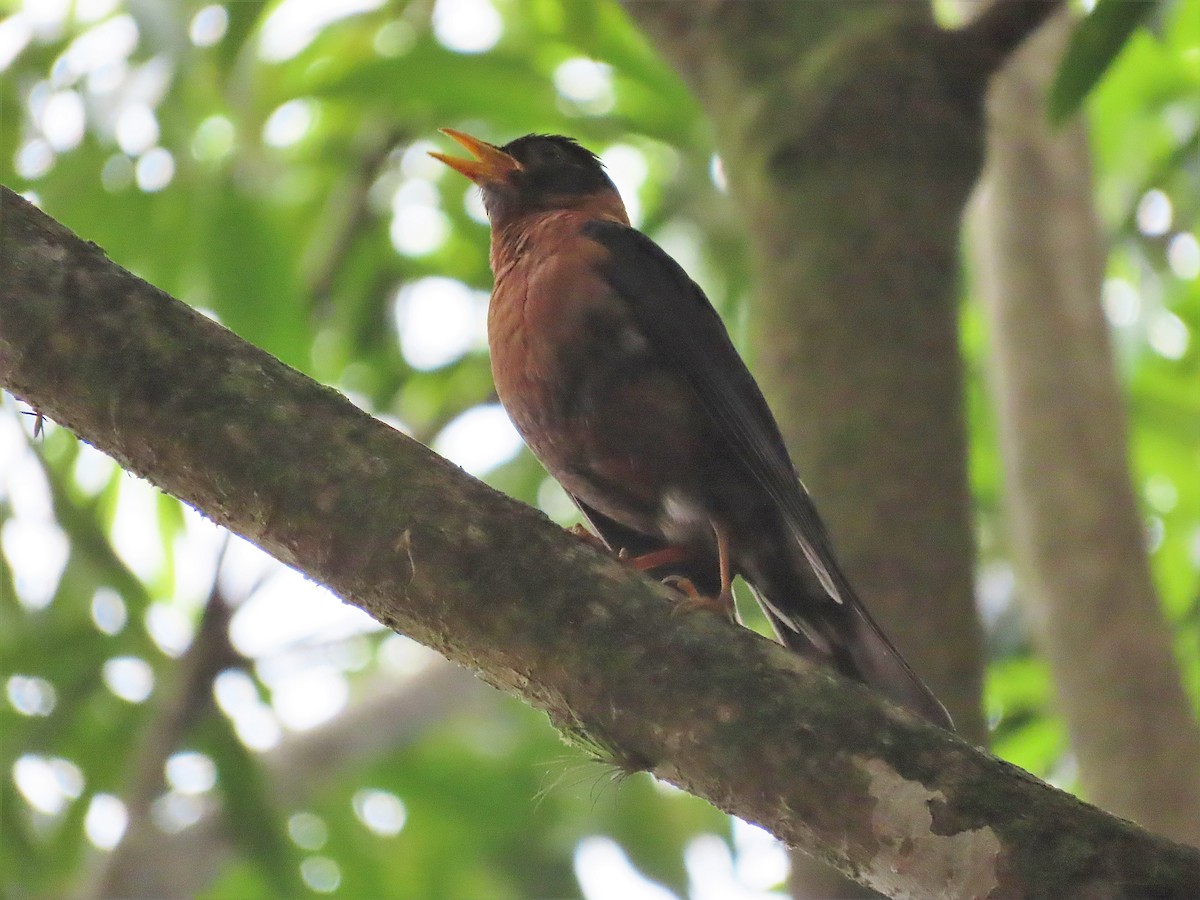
x=848, y=639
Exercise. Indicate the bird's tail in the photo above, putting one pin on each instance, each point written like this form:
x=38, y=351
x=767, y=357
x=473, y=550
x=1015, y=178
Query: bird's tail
x=843, y=635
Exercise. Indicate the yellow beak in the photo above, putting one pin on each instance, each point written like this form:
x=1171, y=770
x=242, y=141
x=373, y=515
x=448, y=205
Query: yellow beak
x=490, y=166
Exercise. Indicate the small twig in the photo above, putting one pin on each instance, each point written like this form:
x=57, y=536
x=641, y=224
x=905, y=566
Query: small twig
x=39, y=421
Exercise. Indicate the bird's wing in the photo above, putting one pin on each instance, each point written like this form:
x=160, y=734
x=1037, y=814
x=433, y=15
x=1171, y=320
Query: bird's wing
x=683, y=327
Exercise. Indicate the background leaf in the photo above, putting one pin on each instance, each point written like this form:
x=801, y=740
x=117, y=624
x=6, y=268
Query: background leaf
x=1094, y=45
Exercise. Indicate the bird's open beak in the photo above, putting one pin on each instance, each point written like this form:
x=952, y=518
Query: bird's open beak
x=490, y=166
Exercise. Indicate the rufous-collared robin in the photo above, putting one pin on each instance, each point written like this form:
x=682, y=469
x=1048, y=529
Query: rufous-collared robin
x=623, y=381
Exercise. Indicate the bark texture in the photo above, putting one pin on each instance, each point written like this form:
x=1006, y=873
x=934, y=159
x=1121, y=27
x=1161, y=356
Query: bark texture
x=1076, y=527
x=825, y=765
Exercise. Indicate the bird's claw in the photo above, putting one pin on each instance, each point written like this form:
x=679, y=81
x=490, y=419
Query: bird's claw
x=721, y=605
x=592, y=540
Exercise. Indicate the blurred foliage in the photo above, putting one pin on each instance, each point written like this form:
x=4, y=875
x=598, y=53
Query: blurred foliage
x=267, y=163
x=1092, y=49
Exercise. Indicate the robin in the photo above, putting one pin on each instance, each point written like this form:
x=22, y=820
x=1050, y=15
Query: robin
x=621, y=378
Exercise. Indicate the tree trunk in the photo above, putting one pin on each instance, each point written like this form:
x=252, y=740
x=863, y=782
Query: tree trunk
x=1076, y=528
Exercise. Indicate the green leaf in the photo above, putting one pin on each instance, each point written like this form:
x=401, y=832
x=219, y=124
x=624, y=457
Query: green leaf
x=432, y=84
x=251, y=275
x=1097, y=41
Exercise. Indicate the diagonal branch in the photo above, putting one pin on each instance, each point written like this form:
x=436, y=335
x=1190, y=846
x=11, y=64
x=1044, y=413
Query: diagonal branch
x=825, y=765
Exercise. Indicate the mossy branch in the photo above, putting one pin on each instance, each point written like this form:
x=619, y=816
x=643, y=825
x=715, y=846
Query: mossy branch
x=389, y=526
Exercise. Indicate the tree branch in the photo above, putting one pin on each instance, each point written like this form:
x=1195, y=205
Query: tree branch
x=825, y=765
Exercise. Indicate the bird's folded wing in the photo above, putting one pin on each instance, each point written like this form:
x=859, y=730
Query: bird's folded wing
x=684, y=328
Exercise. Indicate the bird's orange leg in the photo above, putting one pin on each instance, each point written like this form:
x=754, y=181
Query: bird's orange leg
x=723, y=604
x=724, y=601
x=655, y=558
x=644, y=563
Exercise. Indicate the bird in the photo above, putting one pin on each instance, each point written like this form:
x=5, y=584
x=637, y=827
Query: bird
x=623, y=381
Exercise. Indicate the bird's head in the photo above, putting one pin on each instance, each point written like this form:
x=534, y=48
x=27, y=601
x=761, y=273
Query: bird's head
x=537, y=172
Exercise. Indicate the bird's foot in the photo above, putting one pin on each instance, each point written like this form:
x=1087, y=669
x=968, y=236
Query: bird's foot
x=721, y=605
